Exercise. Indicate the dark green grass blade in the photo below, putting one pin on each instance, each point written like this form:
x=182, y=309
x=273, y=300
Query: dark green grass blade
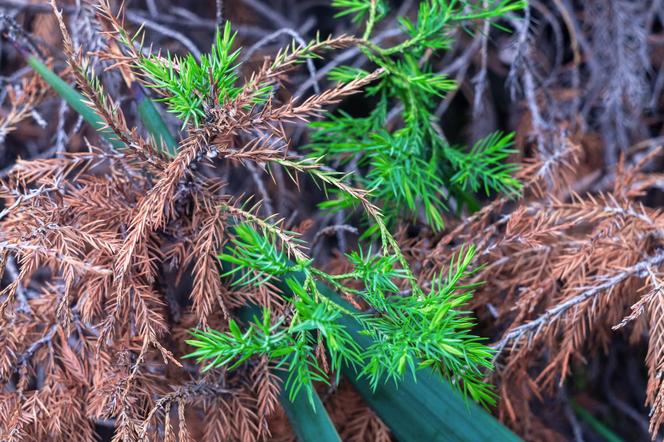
x=75, y=100
x=429, y=410
x=153, y=121
x=146, y=109
x=309, y=423
x=598, y=426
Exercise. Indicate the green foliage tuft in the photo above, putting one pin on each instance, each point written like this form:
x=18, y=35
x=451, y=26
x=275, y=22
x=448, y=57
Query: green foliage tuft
x=360, y=9
x=189, y=83
x=484, y=166
x=409, y=329
x=255, y=257
x=410, y=168
x=431, y=331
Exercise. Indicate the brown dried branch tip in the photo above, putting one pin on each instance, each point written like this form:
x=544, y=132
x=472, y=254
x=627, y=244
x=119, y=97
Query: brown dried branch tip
x=22, y=100
x=99, y=343
x=564, y=269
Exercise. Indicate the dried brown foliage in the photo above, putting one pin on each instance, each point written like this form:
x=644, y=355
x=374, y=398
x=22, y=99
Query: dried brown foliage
x=564, y=269
x=22, y=101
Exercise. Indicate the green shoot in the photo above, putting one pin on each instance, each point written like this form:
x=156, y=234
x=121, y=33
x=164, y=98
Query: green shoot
x=408, y=332
x=189, y=84
x=410, y=168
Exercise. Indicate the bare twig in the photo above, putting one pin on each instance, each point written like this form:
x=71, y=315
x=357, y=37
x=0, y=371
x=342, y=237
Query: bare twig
x=605, y=283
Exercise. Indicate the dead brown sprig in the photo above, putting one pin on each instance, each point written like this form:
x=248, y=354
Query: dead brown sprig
x=22, y=98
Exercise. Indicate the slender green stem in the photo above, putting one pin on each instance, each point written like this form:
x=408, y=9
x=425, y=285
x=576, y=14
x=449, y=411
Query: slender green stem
x=371, y=22
x=333, y=280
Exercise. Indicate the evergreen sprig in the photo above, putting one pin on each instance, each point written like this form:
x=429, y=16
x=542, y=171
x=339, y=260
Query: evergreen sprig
x=360, y=9
x=194, y=86
x=410, y=168
x=431, y=330
x=255, y=257
x=410, y=330
x=484, y=165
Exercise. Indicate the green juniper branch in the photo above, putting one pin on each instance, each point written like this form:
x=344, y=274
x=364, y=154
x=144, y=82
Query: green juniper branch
x=424, y=328
x=408, y=332
x=191, y=83
x=412, y=166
